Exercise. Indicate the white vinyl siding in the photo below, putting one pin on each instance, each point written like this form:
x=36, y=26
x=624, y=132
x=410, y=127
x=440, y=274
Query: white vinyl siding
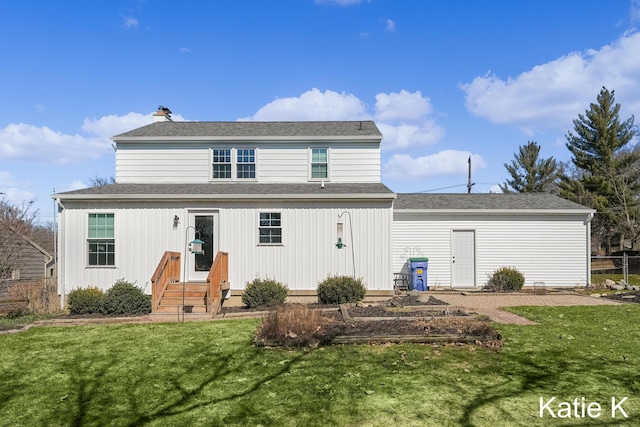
x=178, y=163
x=307, y=255
x=545, y=248
x=274, y=162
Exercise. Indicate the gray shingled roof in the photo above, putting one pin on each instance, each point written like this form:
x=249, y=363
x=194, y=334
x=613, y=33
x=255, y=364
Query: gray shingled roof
x=492, y=201
x=364, y=128
x=229, y=189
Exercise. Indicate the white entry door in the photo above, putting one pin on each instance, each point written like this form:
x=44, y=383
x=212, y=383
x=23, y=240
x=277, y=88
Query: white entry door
x=463, y=256
x=204, y=226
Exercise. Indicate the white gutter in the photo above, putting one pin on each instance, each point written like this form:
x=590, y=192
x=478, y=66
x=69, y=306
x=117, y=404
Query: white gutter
x=61, y=284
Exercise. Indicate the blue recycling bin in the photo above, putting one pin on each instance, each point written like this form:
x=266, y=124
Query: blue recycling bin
x=418, y=268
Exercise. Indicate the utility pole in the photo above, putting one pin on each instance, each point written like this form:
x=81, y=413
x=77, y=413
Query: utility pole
x=469, y=183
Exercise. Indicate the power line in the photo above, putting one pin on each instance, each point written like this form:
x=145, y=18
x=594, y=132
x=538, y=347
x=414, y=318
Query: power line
x=442, y=188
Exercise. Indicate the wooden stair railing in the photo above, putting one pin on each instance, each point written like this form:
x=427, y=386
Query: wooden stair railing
x=217, y=279
x=168, y=271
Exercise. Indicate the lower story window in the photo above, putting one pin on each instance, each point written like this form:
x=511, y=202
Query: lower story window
x=101, y=240
x=270, y=228
x=102, y=252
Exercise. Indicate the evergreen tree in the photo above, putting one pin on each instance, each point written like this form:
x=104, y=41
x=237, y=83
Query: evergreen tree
x=529, y=174
x=606, y=168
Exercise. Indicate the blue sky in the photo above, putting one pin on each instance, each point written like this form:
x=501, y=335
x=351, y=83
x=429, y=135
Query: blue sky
x=444, y=80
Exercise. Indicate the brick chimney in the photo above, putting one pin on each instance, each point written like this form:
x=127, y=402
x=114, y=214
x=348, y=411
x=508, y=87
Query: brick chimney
x=162, y=115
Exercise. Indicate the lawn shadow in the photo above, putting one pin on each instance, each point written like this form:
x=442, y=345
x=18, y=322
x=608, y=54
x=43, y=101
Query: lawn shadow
x=192, y=398
x=90, y=397
x=547, y=378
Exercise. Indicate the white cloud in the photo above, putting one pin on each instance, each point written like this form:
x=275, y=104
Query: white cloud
x=17, y=196
x=76, y=185
x=495, y=189
x=25, y=142
x=184, y=50
x=6, y=180
x=444, y=163
x=313, y=105
x=390, y=25
x=403, y=118
x=11, y=192
x=404, y=136
x=130, y=22
x=108, y=126
x=551, y=95
x=403, y=105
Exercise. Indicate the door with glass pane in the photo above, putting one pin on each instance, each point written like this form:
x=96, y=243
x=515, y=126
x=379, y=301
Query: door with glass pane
x=203, y=226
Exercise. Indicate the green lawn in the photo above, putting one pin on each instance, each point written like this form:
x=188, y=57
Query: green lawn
x=600, y=278
x=209, y=374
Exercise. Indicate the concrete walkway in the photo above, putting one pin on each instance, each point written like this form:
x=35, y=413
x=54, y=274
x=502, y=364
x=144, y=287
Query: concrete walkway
x=491, y=304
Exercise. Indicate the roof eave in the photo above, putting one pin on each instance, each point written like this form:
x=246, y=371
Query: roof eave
x=170, y=139
x=228, y=197
x=467, y=212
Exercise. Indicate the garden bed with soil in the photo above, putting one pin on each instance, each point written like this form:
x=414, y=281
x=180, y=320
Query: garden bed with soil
x=418, y=321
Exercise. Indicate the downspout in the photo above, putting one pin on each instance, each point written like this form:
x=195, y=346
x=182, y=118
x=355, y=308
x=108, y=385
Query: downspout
x=59, y=271
x=589, y=219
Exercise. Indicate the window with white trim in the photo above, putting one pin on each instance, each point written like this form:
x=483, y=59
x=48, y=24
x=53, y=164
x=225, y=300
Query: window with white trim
x=233, y=163
x=270, y=228
x=101, y=240
x=246, y=163
x=221, y=159
x=319, y=163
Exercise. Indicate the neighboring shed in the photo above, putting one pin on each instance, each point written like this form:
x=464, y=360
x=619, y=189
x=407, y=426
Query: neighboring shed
x=20, y=257
x=468, y=236
x=21, y=260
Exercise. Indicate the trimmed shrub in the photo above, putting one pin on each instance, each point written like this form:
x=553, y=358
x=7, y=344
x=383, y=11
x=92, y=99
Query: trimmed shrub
x=506, y=279
x=264, y=293
x=85, y=301
x=126, y=299
x=341, y=290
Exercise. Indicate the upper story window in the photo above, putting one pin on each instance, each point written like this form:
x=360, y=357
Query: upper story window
x=101, y=239
x=233, y=163
x=319, y=163
x=221, y=163
x=246, y=166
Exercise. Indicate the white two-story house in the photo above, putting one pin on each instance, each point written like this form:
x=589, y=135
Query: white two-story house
x=297, y=202
x=275, y=196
